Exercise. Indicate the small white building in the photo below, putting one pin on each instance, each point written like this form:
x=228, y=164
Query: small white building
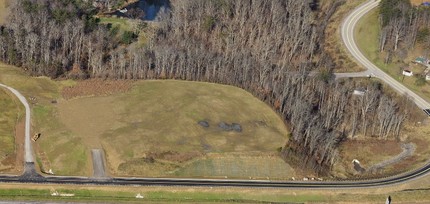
x=359, y=92
x=427, y=77
x=407, y=73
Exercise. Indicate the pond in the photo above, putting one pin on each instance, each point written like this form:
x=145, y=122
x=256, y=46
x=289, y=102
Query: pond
x=144, y=9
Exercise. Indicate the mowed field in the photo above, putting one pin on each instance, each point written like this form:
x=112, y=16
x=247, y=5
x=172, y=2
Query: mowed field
x=150, y=128
x=11, y=113
x=153, y=130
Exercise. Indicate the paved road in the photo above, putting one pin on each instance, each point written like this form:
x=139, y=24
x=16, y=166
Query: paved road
x=98, y=163
x=348, y=38
x=28, y=148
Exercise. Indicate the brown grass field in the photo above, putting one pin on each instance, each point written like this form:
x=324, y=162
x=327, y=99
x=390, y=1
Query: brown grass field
x=137, y=122
x=149, y=128
x=3, y=10
x=157, y=122
x=11, y=114
x=333, y=43
x=417, y=2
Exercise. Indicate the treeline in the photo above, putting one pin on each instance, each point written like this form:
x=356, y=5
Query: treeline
x=268, y=48
x=403, y=26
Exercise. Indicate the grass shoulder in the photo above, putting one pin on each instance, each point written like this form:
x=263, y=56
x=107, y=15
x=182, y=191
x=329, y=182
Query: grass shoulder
x=333, y=40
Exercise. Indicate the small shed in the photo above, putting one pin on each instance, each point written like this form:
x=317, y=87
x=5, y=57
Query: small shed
x=359, y=92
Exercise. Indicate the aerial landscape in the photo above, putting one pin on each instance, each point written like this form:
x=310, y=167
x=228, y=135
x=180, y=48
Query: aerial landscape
x=204, y=101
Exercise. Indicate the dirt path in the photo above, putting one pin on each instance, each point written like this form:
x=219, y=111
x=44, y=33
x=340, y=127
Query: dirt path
x=19, y=146
x=408, y=150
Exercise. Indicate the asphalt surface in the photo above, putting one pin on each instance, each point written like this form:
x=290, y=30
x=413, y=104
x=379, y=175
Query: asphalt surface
x=348, y=38
x=98, y=163
x=31, y=176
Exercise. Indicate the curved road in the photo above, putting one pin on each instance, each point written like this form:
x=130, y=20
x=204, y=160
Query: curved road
x=348, y=38
x=28, y=148
x=31, y=176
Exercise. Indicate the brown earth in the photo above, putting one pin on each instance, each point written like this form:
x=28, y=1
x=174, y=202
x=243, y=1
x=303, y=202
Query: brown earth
x=418, y=2
x=174, y=156
x=96, y=87
x=15, y=161
x=333, y=43
x=369, y=152
x=19, y=142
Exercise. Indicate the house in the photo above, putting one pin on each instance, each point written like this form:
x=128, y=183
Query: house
x=407, y=73
x=427, y=77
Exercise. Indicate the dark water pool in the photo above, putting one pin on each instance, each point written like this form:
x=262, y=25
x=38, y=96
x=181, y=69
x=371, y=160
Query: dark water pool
x=151, y=8
x=144, y=9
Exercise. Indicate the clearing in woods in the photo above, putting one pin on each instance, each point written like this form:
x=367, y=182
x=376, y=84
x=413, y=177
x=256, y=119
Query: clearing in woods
x=153, y=130
x=150, y=128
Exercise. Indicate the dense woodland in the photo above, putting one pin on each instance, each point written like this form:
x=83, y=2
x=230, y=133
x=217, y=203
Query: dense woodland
x=268, y=48
x=403, y=27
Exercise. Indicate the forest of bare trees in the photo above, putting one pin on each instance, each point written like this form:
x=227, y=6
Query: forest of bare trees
x=268, y=48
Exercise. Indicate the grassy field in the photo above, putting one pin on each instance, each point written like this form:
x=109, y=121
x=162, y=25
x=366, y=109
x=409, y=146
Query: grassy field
x=151, y=129
x=157, y=122
x=403, y=193
x=11, y=113
x=125, y=24
x=3, y=10
x=122, y=23
x=63, y=146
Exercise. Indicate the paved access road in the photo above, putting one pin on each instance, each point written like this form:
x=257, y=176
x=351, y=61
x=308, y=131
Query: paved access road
x=348, y=38
x=28, y=148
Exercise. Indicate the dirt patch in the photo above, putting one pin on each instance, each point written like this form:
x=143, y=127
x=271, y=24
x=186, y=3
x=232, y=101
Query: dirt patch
x=175, y=156
x=333, y=43
x=369, y=152
x=417, y=2
x=96, y=87
x=14, y=163
x=389, y=147
x=89, y=127
x=421, y=144
x=145, y=166
x=19, y=143
x=408, y=150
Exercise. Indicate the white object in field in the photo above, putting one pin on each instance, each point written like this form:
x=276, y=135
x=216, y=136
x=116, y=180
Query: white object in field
x=407, y=73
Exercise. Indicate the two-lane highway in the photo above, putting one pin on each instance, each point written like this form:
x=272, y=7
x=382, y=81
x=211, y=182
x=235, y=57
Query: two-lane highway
x=348, y=37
